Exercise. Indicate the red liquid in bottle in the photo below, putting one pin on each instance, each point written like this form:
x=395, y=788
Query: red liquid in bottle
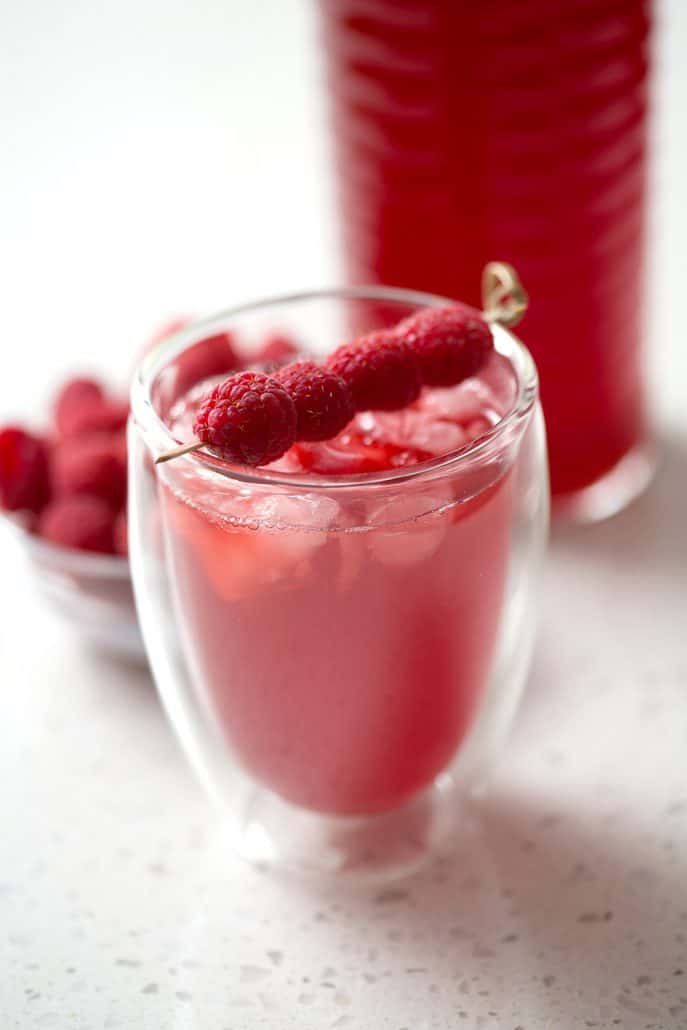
x=472, y=131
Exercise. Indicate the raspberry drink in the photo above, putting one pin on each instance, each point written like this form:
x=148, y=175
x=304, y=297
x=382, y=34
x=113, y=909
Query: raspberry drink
x=336, y=563
x=464, y=130
x=304, y=610
x=344, y=652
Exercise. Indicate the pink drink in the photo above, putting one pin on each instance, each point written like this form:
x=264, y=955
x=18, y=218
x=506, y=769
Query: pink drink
x=467, y=132
x=342, y=639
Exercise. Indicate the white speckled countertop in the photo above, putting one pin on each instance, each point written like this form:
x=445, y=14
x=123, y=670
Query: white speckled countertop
x=565, y=903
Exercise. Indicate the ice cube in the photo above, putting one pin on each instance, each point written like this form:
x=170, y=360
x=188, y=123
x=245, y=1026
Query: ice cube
x=459, y=404
x=292, y=526
x=308, y=511
x=416, y=431
x=410, y=527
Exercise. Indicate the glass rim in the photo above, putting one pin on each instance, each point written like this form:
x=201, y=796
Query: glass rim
x=158, y=436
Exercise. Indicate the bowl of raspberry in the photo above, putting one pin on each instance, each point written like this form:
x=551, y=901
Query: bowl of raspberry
x=335, y=561
x=63, y=494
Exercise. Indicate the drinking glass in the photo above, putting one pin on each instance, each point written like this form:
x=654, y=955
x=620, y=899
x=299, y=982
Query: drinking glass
x=340, y=656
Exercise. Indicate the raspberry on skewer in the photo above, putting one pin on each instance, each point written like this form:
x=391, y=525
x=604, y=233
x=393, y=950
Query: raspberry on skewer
x=450, y=343
x=249, y=419
x=323, y=400
x=381, y=369
x=253, y=418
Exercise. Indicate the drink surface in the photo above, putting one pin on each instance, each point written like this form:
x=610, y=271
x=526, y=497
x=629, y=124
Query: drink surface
x=468, y=131
x=342, y=638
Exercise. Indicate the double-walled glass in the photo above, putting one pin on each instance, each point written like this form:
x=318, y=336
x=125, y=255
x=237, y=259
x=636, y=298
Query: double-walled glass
x=339, y=655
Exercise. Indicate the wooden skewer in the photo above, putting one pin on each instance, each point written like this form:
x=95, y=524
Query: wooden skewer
x=504, y=298
x=176, y=452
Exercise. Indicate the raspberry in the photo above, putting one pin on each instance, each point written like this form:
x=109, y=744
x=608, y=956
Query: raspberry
x=75, y=397
x=83, y=523
x=24, y=470
x=249, y=419
x=97, y=416
x=92, y=465
x=450, y=344
x=276, y=350
x=380, y=370
x=324, y=403
x=213, y=356
x=121, y=536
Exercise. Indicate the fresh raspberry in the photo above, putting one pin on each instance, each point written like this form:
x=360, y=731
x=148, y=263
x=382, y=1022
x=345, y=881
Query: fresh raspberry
x=75, y=397
x=276, y=350
x=121, y=535
x=324, y=403
x=97, y=416
x=249, y=419
x=91, y=465
x=24, y=470
x=450, y=344
x=213, y=356
x=380, y=370
x=80, y=522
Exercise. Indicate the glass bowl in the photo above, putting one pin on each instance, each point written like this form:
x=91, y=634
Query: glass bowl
x=339, y=655
x=92, y=593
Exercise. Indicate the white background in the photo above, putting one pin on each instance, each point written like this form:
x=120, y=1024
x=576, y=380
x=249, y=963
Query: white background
x=163, y=158
x=157, y=158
